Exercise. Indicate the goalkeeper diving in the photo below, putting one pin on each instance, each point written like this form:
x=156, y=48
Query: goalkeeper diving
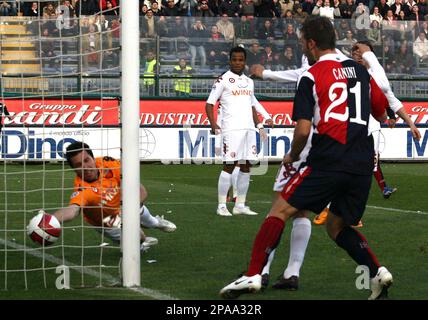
x=97, y=195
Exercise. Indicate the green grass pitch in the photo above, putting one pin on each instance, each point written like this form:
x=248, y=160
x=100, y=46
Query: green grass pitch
x=207, y=251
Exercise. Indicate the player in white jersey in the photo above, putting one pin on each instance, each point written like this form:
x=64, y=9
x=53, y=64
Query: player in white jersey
x=362, y=52
x=235, y=92
x=218, y=145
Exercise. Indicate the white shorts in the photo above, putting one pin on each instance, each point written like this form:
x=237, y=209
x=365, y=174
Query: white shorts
x=376, y=142
x=284, y=174
x=376, y=139
x=239, y=145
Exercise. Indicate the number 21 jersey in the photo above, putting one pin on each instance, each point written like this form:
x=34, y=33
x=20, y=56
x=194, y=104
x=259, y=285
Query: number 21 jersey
x=338, y=95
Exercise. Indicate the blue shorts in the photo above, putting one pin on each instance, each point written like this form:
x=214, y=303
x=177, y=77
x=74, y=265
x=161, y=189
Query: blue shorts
x=313, y=190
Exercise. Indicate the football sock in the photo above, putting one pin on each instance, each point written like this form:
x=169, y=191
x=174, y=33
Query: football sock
x=358, y=249
x=235, y=174
x=242, y=186
x=266, y=268
x=379, y=177
x=224, y=183
x=266, y=240
x=300, y=234
x=146, y=219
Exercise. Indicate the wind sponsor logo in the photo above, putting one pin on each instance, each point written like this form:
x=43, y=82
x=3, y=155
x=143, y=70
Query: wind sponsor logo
x=242, y=92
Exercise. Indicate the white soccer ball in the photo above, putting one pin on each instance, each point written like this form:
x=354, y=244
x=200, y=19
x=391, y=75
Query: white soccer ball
x=44, y=229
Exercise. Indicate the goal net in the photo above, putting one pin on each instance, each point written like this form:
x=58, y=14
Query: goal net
x=60, y=81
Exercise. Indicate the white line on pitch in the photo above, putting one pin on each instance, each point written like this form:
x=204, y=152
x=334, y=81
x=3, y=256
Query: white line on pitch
x=178, y=203
x=112, y=280
x=396, y=210
x=270, y=202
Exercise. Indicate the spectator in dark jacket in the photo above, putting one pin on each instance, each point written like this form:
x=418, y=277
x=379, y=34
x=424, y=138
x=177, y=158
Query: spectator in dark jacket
x=170, y=8
x=266, y=32
x=288, y=59
x=265, y=9
x=365, y=2
x=157, y=12
x=229, y=7
x=245, y=28
x=423, y=8
x=383, y=7
x=87, y=7
x=308, y=6
x=248, y=9
x=415, y=14
x=398, y=6
x=214, y=5
x=267, y=57
x=198, y=37
x=404, y=60
x=217, y=48
x=203, y=9
x=347, y=9
x=254, y=56
x=290, y=35
x=33, y=10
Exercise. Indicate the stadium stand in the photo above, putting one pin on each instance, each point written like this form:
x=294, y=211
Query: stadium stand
x=167, y=31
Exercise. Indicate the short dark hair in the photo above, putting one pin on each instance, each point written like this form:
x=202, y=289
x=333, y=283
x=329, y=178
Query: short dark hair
x=366, y=42
x=320, y=30
x=75, y=148
x=237, y=49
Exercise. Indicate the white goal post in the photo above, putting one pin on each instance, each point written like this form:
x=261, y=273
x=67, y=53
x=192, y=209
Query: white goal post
x=130, y=115
x=53, y=100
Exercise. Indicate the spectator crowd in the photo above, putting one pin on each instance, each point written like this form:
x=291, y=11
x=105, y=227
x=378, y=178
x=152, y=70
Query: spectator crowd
x=202, y=31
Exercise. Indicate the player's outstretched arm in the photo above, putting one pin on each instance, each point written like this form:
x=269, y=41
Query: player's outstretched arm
x=402, y=113
x=259, y=71
x=371, y=59
x=286, y=75
x=68, y=213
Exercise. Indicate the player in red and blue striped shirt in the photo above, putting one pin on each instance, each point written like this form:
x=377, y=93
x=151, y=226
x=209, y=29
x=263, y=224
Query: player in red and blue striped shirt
x=335, y=98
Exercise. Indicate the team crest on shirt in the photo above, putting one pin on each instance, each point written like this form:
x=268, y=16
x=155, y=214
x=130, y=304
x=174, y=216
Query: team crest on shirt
x=231, y=80
x=74, y=194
